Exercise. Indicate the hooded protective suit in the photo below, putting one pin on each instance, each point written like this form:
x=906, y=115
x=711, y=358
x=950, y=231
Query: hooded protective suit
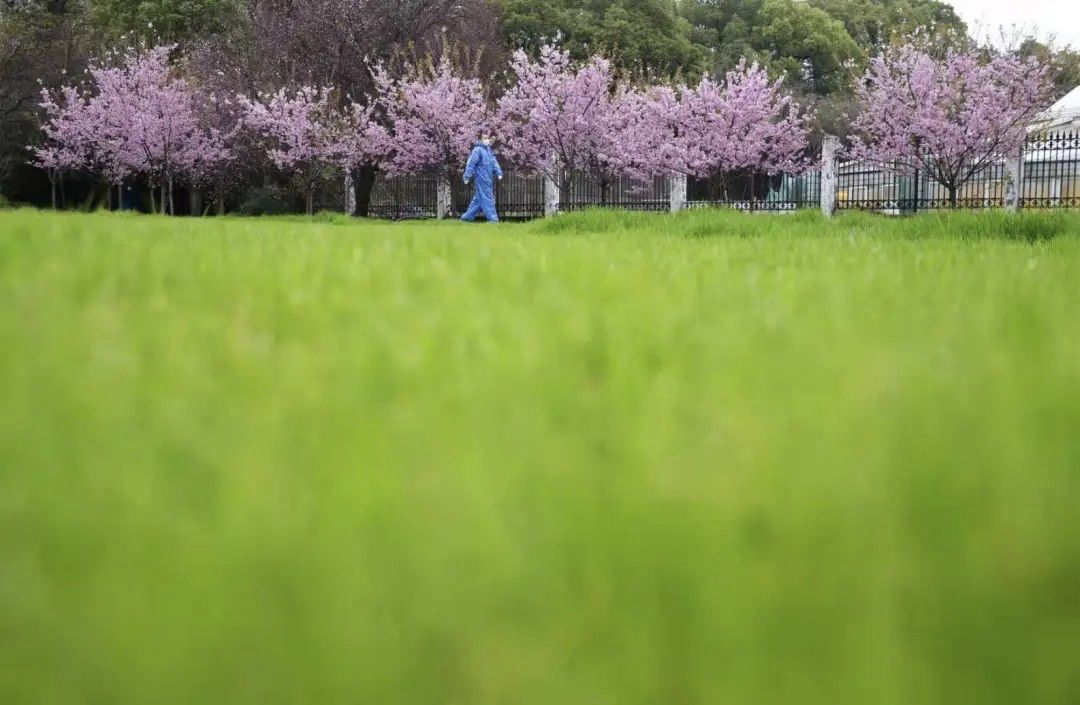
x=484, y=168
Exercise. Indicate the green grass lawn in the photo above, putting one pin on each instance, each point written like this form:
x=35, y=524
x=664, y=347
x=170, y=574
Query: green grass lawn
x=607, y=459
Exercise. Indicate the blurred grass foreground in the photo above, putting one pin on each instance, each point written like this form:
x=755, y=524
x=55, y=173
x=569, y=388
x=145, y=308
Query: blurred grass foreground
x=606, y=459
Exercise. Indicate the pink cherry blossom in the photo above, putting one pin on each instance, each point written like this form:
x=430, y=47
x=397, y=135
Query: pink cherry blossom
x=135, y=118
x=300, y=131
x=435, y=115
x=949, y=117
x=743, y=123
x=66, y=132
x=359, y=137
x=559, y=117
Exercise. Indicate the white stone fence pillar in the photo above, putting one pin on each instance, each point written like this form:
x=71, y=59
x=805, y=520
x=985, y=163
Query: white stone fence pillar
x=443, y=198
x=829, y=151
x=1014, y=183
x=677, y=182
x=551, y=195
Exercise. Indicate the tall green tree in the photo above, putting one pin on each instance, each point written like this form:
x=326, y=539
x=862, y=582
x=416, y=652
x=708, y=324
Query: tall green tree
x=873, y=24
x=795, y=39
x=725, y=29
x=163, y=20
x=808, y=45
x=1064, y=63
x=640, y=36
x=40, y=40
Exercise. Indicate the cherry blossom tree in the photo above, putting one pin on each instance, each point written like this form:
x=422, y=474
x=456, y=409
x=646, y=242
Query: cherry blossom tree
x=359, y=145
x=153, y=119
x=434, y=116
x=66, y=131
x=745, y=123
x=625, y=140
x=637, y=133
x=83, y=132
x=210, y=169
x=948, y=117
x=301, y=133
x=559, y=117
x=360, y=138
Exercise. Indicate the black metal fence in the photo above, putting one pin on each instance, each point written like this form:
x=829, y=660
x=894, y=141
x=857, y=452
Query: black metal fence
x=897, y=190
x=1052, y=171
x=1050, y=164
x=623, y=193
x=1051, y=179
x=404, y=197
x=518, y=196
x=777, y=193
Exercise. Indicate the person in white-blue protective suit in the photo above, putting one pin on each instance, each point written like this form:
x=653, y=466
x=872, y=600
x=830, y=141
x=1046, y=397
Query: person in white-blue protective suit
x=484, y=168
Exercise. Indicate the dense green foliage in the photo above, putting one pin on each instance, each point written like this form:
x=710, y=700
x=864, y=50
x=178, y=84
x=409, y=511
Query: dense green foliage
x=38, y=40
x=605, y=458
x=1064, y=63
x=795, y=39
x=875, y=23
x=639, y=35
x=811, y=42
x=167, y=20
x=807, y=45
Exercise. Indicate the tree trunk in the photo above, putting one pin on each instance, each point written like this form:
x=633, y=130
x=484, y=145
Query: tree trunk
x=220, y=196
x=718, y=187
x=153, y=199
x=952, y=196
x=52, y=182
x=108, y=198
x=364, y=182
x=311, y=201
x=195, y=202
x=605, y=190
x=172, y=204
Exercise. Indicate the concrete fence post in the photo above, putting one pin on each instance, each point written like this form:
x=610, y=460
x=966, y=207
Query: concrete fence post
x=551, y=194
x=1014, y=183
x=443, y=198
x=829, y=151
x=677, y=183
x=350, y=194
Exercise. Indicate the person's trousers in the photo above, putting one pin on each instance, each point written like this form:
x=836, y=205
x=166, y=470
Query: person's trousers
x=483, y=201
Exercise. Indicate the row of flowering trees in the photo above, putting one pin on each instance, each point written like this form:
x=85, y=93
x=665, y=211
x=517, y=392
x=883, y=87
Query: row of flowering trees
x=139, y=118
